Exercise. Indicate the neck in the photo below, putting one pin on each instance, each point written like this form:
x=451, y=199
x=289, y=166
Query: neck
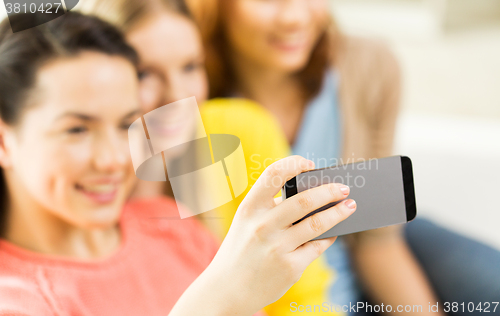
x=281, y=93
x=31, y=226
x=266, y=85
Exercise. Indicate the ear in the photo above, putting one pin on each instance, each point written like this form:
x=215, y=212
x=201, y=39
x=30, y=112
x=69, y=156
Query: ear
x=6, y=134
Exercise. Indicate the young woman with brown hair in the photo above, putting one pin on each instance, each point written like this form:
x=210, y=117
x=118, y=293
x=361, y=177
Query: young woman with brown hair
x=71, y=243
x=337, y=98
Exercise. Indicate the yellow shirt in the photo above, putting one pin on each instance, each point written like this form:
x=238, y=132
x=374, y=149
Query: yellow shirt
x=263, y=143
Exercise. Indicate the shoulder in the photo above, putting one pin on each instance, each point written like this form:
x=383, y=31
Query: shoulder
x=24, y=287
x=366, y=54
x=230, y=107
x=369, y=74
x=258, y=130
x=21, y=295
x=360, y=47
x=236, y=114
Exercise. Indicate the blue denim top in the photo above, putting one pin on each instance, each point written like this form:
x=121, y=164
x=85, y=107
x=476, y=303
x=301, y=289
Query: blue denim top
x=319, y=139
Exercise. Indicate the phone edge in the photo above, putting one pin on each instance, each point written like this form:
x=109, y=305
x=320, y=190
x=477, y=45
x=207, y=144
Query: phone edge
x=290, y=188
x=409, y=188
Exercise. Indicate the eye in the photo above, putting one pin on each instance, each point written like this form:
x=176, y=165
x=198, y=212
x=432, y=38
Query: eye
x=143, y=74
x=77, y=130
x=124, y=126
x=192, y=66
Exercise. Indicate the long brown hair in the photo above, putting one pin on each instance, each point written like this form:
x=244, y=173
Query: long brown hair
x=207, y=14
x=23, y=53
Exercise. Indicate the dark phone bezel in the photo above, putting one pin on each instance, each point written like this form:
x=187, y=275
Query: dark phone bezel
x=409, y=188
x=290, y=187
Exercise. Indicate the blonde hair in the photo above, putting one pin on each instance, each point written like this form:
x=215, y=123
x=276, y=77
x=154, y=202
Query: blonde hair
x=207, y=14
x=124, y=14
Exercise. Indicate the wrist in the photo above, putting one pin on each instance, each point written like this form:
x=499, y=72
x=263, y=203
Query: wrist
x=218, y=293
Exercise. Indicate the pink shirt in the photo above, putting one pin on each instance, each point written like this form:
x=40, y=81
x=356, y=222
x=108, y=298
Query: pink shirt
x=160, y=256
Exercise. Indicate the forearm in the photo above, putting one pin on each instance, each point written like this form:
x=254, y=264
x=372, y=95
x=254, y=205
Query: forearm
x=390, y=272
x=210, y=295
x=311, y=289
x=263, y=254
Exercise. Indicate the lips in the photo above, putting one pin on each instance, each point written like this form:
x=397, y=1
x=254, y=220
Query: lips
x=99, y=193
x=168, y=128
x=290, y=43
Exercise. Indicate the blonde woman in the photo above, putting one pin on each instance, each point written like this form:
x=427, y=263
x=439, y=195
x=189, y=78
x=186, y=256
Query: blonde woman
x=172, y=68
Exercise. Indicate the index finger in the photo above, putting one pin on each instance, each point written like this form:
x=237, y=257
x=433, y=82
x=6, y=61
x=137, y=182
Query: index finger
x=274, y=178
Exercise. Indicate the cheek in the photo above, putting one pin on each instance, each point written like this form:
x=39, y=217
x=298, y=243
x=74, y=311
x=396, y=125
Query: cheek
x=320, y=14
x=72, y=162
x=128, y=168
x=51, y=173
x=250, y=20
x=188, y=84
x=199, y=87
x=320, y=6
x=150, y=93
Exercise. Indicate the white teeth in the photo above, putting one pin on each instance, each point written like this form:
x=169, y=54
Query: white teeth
x=100, y=188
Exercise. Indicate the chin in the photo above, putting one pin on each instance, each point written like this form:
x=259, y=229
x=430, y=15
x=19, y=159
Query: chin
x=176, y=152
x=294, y=67
x=292, y=64
x=104, y=219
x=98, y=217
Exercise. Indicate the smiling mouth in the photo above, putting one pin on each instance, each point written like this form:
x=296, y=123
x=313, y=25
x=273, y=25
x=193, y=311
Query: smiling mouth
x=291, y=43
x=99, y=193
x=168, y=129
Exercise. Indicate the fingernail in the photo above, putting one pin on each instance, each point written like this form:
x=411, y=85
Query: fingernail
x=350, y=204
x=344, y=189
x=310, y=164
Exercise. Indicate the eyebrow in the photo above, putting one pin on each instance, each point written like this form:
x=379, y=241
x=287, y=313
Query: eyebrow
x=86, y=117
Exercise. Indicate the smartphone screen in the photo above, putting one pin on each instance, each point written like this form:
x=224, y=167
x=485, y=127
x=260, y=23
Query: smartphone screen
x=382, y=188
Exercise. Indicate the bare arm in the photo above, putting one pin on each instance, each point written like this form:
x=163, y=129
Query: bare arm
x=264, y=254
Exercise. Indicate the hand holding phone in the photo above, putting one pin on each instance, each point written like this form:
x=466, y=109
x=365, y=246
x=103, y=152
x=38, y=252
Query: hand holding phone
x=264, y=254
x=382, y=188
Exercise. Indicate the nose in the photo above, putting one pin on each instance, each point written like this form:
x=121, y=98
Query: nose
x=175, y=89
x=294, y=13
x=111, y=153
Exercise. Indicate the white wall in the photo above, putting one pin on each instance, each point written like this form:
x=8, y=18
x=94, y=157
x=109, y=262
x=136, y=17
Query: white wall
x=450, y=123
x=3, y=13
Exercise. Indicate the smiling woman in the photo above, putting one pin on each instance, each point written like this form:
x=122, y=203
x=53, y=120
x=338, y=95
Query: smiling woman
x=72, y=243
x=49, y=113
x=84, y=125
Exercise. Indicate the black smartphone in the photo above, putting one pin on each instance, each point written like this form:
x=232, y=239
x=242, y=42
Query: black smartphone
x=382, y=188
